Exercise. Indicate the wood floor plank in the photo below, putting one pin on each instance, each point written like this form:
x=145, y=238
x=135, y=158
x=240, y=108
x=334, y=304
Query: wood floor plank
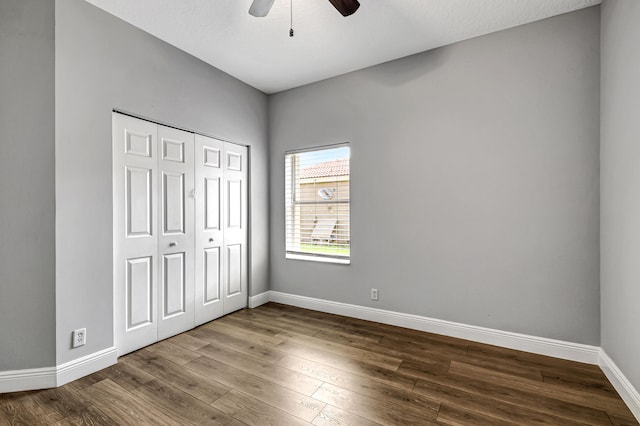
x=268, y=328
x=83, y=382
x=123, y=407
x=297, y=404
x=242, y=333
x=274, y=373
x=421, y=349
x=347, y=364
x=337, y=327
x=19, y=408
x=373, y=409
x=507, y=393
x=426, y=341
x=302, y=313
x=514, y=367
x=246, y=409
x=202, y=387
x=577, y=375
x=542, y=360
x=495, y=352
x=424, y=369
x=623, y=419
x=513, y=362
x=561, y=393
x=172, y=352
x=188, y=342
x=362, y=385
x=433, y=356
x=91, y=416
x=358, y=327
x=281, y=324
x=330, y=322
x=260, y=310
x=342, y=350
x=355, y=325
x=598, y=385
x=333, y=416
x=346, y=338
x=246, y=346
x=174, y=402
x=125, y=375
x=30, y=404
x=60, y=403
x=458, y=416
x=276, y=308
x=488, y=407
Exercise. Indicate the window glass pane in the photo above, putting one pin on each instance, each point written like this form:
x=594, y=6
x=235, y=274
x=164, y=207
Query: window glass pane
x=317, y=193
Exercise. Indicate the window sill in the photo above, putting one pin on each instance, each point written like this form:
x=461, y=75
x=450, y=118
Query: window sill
x=318, y=259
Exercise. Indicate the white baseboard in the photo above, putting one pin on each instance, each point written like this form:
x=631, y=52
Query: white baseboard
x=627, y=391
x=86, y=365
x=522, y=342
x=30, y=379
x=259, y=299
x=51, y=377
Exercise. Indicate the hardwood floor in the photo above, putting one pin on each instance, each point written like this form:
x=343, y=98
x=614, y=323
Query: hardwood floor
x=281, y=365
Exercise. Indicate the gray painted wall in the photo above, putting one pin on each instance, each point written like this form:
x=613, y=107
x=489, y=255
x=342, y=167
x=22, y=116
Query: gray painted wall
x=104, y=63
x=620, y=185
x=475, y=180
x=27, y=210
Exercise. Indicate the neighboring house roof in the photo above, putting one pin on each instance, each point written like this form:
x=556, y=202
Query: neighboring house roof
x=326, y=169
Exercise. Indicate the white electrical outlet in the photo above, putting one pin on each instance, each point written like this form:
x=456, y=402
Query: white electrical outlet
x=79, y=337
x=374, y=294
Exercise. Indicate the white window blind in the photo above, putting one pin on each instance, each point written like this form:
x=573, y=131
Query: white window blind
x=317, y=194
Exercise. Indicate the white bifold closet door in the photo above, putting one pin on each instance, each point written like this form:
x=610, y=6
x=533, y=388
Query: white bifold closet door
x=135, y=230
x=176, y=233
x=180, y=230
x=221, y=228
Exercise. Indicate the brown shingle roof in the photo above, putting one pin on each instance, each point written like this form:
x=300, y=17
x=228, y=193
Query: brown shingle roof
x=326, y=169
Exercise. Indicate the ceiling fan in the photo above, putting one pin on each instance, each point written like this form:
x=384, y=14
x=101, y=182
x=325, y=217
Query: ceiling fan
x=260, y=8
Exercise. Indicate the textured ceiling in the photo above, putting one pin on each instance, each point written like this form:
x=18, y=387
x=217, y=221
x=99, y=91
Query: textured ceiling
x=260, y=52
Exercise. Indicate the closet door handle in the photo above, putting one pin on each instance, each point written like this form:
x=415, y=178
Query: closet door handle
x=210, y=240
x=173, y=244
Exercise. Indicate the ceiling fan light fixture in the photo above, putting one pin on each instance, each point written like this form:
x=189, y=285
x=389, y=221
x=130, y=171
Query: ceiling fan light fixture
x=260, y=8
x=346, y=7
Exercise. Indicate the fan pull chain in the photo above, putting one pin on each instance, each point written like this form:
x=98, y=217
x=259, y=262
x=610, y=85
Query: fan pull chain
x=291, y=26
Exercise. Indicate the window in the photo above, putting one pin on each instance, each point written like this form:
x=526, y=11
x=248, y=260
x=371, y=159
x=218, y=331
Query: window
x=318, y=204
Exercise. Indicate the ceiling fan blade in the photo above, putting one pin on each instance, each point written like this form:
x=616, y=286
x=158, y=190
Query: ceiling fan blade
x=260, y=8
x=345, y=7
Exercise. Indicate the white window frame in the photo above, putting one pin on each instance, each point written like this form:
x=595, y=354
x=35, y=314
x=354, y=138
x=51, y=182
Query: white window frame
x=292, y=247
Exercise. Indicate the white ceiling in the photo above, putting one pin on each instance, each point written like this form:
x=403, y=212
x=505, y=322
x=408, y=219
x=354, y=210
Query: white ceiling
x=260, y=52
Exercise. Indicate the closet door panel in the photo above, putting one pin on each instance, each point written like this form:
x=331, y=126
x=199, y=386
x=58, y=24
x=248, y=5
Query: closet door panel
x=211, y=275
x=135, y=228
x=173, y=197
x=235, y=220
x=174, y=285
x=208, y=234
x=139, y=293
x=175, y=241
x=211, y=203
x=234, y=269
x=138, y=201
